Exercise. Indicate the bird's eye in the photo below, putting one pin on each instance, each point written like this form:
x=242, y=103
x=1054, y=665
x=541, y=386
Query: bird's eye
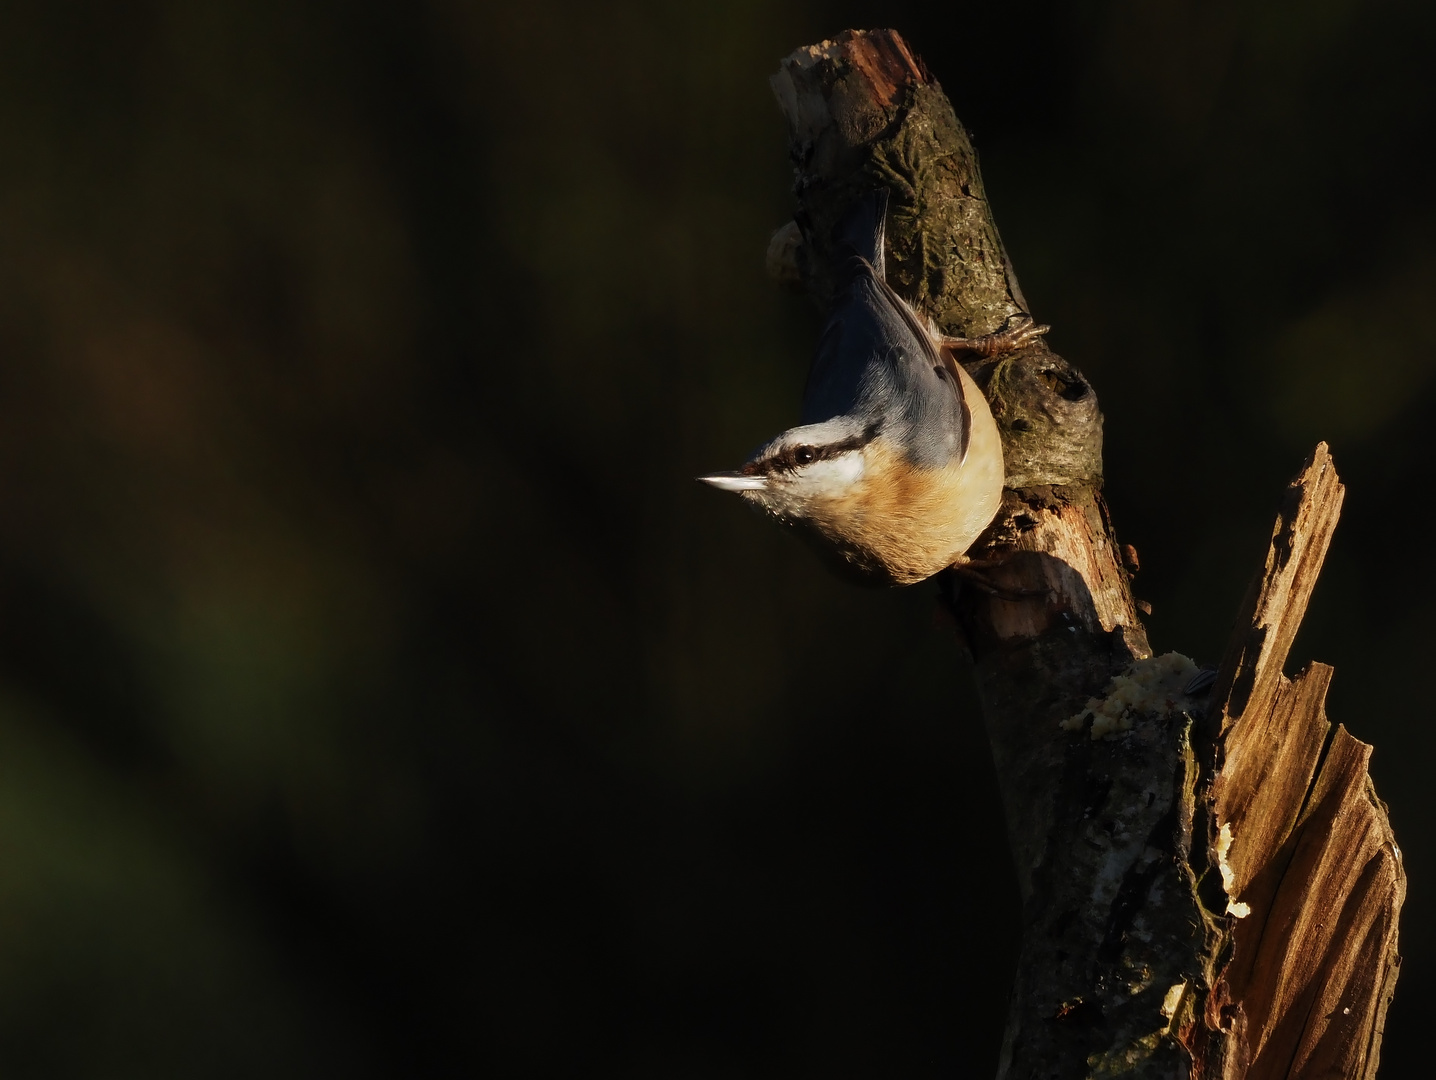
x=804, y=455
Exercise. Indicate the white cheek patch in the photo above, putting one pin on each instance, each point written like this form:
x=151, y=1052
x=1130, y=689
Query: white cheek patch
x=834, y=476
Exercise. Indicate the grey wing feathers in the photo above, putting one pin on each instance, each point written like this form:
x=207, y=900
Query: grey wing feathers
x=942, y=362
x=876, y=362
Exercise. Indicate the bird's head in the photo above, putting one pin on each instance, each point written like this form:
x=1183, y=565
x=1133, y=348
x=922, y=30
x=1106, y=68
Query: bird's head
x=871, y=511
x=807, y=472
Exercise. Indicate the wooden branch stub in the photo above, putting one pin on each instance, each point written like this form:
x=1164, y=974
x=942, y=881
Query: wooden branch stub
x=1210, y=887
x=1303, y=845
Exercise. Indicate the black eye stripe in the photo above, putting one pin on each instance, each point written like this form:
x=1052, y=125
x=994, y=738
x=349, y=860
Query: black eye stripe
x=792, y=458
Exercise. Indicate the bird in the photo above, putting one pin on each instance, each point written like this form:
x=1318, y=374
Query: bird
x=896, y=467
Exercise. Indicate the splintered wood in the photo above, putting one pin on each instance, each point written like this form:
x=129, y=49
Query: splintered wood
x=1302, y=842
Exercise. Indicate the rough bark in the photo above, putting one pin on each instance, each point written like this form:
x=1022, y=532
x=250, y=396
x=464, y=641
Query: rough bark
x=1144, y=814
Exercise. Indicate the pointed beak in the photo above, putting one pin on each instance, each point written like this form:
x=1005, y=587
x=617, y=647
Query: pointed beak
x=734, y=481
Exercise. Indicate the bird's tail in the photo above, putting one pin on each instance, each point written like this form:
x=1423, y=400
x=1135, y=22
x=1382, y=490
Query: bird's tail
x=862, y=230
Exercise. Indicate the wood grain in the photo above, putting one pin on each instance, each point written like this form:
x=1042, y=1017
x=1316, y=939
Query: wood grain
x=1312, y=864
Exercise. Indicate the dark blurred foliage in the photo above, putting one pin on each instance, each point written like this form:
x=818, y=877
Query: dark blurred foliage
x=379, y=696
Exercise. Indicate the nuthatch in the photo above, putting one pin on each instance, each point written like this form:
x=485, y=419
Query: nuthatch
x=896, y=467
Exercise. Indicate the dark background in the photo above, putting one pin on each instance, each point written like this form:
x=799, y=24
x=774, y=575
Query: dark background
x=379, y=696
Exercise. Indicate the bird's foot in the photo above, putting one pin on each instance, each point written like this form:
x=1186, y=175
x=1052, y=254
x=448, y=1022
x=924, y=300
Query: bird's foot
x=1019, y=330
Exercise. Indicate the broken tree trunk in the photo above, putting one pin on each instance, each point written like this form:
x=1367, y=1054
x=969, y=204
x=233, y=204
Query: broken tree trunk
x=1210, y=886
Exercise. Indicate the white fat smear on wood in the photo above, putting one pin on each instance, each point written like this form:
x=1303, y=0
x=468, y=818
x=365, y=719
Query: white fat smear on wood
x=1229, y=877
x=1153, y=685
x=1173, y=999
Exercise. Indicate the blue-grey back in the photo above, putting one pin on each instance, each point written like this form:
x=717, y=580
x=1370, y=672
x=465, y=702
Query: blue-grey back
x=876, y=364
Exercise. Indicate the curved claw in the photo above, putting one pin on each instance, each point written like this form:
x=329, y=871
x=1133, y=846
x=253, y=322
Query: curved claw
x=1025, y=330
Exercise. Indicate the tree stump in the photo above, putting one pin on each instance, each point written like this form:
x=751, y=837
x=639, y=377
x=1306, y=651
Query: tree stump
x=1210, y=885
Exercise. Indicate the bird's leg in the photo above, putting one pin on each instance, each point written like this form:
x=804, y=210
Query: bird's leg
x=971, y=571
x=1018, y=331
